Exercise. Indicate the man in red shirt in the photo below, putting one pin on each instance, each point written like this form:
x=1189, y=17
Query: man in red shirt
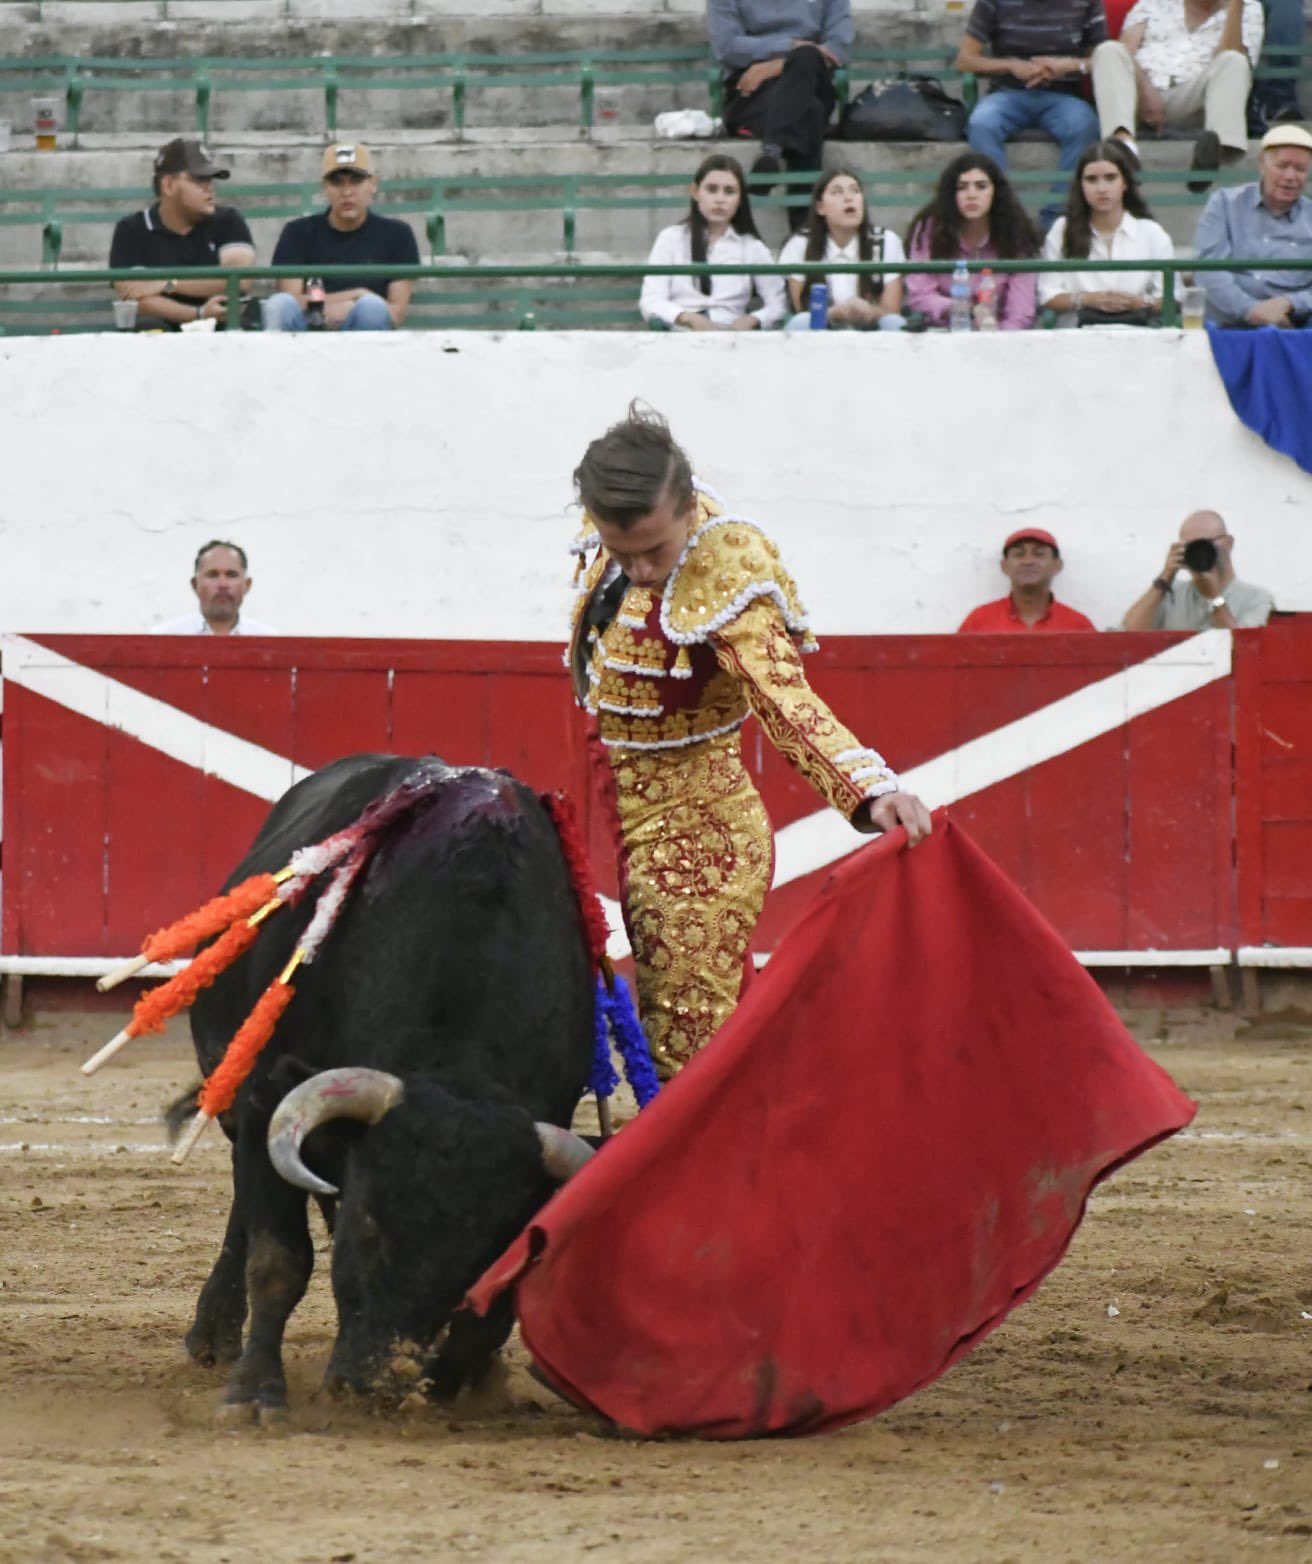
x=1030, y=560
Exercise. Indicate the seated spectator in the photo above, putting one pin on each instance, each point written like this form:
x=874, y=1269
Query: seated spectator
x=1274, y=101
x=1177, y=60
x=718, y=229
x=1107, y=219
x=1214, y=598
x=1271, y=219
x=220, y=582
x=974, y=216
x=183, y=229
x=1030, y=561
x=778, y=59
x=1038, y=56
x=840, y=230
x=347, y=234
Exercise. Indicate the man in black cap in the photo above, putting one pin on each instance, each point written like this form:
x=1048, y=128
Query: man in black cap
x=183, y=229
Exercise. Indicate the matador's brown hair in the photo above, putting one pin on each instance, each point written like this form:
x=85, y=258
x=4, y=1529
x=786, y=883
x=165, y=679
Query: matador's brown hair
x=628, y=471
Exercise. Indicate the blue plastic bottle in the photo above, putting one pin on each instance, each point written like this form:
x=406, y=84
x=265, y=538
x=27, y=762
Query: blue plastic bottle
x=819, y=306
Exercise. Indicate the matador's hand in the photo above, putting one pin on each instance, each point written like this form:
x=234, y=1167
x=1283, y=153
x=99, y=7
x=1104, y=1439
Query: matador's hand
x=895, y=809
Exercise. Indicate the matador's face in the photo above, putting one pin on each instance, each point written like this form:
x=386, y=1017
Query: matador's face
x=648, y=550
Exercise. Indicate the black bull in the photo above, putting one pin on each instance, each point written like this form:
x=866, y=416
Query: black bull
x=457, y=975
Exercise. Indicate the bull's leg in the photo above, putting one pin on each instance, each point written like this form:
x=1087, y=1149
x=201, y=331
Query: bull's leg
x=279, y=1259
x=470, y=1349
x=215, y=1334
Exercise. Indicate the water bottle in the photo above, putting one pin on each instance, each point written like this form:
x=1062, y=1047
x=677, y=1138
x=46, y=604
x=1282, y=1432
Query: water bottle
x=819, y=306
x=959, y=295
x=314, y=319
x=986, y=307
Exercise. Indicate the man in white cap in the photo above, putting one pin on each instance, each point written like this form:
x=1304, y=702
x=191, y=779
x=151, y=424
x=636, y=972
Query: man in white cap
x=347, y=234
x=1269, y=220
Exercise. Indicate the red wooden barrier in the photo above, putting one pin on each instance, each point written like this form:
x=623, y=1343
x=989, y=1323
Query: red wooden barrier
x=1126, y=839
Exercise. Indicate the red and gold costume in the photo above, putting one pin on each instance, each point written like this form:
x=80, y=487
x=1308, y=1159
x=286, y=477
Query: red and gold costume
x=669, y=680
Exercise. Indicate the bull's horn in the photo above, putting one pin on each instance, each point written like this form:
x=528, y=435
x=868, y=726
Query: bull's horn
x=348, y=1093
x=563, y=1152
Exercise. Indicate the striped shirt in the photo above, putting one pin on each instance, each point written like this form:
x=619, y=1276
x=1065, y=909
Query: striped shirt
x=1022, y=29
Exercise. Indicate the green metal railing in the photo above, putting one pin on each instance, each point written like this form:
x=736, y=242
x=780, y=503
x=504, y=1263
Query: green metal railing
x=462, y=276
x=436, y=200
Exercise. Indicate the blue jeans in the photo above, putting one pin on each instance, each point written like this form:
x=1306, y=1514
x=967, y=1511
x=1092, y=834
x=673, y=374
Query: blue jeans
x=1284, y=29
x=1070, y=121
x=284, y=313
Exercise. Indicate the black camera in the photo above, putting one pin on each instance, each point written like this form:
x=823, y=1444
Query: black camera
x=1200, y=555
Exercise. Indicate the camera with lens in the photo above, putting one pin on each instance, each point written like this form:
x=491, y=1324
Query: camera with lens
x=1200, y=555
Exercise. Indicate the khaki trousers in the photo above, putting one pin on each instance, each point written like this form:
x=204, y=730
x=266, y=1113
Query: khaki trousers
x=1220, y=93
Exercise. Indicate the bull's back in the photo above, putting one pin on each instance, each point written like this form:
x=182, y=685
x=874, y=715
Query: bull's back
x=458, y=952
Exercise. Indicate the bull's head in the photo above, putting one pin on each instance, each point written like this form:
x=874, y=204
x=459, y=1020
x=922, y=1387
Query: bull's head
x=431, y=1194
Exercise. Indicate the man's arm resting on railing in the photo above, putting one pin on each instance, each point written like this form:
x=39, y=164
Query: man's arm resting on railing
x=156, y=298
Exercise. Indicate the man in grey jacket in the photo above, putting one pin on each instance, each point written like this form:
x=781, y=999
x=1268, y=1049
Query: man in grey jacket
x=779, y=58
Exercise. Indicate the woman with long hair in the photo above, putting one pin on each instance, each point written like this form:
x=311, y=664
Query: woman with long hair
x=840, y=230
x=974, y=215
x=718, y=229
x=1107, y=219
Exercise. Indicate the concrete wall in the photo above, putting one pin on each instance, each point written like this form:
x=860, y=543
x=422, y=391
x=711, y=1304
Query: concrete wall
x=420, y=485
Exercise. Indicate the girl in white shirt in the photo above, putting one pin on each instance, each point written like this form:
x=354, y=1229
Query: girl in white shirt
x=1107, y=219
x=718, y=229
x=840, y=230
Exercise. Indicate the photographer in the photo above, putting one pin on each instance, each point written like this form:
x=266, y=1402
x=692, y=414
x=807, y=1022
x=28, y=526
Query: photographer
x=1214, y=598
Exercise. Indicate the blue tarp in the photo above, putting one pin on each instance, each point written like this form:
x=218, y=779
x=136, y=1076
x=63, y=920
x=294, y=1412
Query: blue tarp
x=1267, y=375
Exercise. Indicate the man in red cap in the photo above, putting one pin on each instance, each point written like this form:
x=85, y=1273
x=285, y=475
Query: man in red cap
x=1030, y=561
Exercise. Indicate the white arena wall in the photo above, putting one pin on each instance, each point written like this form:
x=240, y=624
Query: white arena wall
x=419, y=485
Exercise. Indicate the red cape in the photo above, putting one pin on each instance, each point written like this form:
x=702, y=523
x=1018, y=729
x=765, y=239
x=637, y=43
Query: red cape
x=883, y=1152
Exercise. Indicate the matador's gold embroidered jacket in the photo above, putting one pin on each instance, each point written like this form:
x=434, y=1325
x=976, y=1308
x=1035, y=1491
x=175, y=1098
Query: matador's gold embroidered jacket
x=725, y=636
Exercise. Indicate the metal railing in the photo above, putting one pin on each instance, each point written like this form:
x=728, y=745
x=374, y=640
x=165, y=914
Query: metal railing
x=235, y=276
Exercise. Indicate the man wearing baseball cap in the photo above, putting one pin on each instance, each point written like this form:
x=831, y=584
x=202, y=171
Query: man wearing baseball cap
x=183, y=229
x=1030, y=561
x=1270, y=219
x=347, y=234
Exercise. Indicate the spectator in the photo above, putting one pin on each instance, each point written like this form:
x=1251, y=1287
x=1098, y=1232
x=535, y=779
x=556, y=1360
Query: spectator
x=347, y=234
x=718, y=229
x=840, y=230
x=1107, y=219
x=1275, y=101
x=1030, y=561
x=1037, y=61
x=778, y=59
x=1174, y=60
x=1215, y=598
x=220, y=583
x=974, y=216
x=1269, y=220
x=183, y=229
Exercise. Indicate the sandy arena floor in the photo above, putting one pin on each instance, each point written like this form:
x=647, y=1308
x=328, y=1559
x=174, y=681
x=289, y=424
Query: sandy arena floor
x=1154, y=1402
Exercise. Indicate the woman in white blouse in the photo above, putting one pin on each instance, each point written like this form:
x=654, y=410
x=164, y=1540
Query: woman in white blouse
x=1107, y=219
x=718, y=229
x=840, y=230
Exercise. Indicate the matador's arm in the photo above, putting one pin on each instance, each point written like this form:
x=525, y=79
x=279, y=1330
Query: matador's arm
x=756, y=648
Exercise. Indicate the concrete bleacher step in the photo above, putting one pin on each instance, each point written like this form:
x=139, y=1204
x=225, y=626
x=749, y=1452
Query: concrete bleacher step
x=500, y=234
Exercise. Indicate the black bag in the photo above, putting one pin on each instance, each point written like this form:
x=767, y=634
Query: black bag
x=912, y=108
x=1088, y=316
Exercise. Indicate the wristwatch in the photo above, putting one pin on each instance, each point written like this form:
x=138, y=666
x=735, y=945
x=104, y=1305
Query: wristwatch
x=1215, y=602
x=170, y=287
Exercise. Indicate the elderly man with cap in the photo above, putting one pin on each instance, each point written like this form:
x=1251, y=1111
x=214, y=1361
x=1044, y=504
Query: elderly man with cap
x=347, y=234
x=183, y=229
x=1031, y=561
x=1269, y=220
x=1214, y=598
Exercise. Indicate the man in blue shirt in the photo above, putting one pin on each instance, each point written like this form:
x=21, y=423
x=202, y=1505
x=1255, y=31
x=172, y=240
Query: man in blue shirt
x=347, y=234
x=1271, y=219
x=779, y=58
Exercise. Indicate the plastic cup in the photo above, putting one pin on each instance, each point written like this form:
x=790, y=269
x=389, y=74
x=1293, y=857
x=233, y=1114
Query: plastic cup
x=1192, y=305
x=45, y=124
x=125, y=314
x=605, y=113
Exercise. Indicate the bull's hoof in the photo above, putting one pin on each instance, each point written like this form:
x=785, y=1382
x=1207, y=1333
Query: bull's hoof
x=234, y=1414
x=211, y=1352
x=272, y=1419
